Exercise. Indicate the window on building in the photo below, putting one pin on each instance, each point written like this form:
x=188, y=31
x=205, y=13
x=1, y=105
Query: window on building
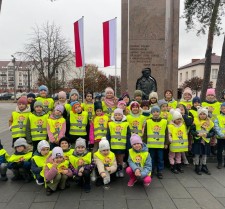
x=186, y=75
x=214, y=73
x=193, y=73
x=180, y=77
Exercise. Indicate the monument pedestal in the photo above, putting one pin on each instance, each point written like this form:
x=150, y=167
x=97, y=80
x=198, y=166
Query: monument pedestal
x=150, y=38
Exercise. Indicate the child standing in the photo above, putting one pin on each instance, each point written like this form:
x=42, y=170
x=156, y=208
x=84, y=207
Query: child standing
x=38, y=161
x=186, y=99
x=168, y=97
x=193, y=112
x=4, y=157
x=122, y=105
x=140, y=165
x=56, y=126
x=164, y=111
x=62, y=100
x=37, y=125
x=88, y=105
x=19, y=162
x=81, y=163
x=31, y=99
x=153, y=99
x=56, y=171
x=202, y=130
x=118, y=135
x=178, y=141
x=18, y=120
x=155, y=133
x=73, y=97
x=145, y=109
x=138, y=96
x=105, y=161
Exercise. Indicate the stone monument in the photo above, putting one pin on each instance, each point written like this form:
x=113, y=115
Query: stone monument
x=150, y=38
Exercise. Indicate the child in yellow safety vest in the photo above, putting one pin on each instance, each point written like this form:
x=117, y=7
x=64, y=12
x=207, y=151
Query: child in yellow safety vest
x=153, y=99
x=82, y=165
x=123, y=105
x=73, y=97
x=193, y=112
x=56, y=171
x=37, y=125
x=146, y=111
x=19, y=162
x=155, y=135
x=164, y=113
x=220, y=135
x=18, y=120
x=118, y=135
x=88, y=105
x=98, y=127
x=178, y=138
x=168, y=97
x=202, y=130
x=105, y=161
x=140, y=164
x=64, y=143
x=4, y=157
x=38, y=160
x=186, y=99
x=48, y=102
x=62, y=100
x=56, y=126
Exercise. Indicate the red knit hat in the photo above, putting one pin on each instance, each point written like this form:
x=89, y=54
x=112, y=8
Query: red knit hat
x=134, y=104
x=22, y=100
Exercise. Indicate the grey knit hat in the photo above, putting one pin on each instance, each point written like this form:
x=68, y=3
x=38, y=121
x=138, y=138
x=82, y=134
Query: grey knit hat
x=38, y=103
x=74, y=91
x=20, y=142
x=80, y=142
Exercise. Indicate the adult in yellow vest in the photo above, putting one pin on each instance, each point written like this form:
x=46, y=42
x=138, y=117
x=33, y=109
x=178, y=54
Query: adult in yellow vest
x=18, y=120
x=140, y=164
x=105, y=161
x=178, y=141
x=48, y=102
x=4, y=157
x=38, y=160
x=202, y=130
x=37, y=125
x=19, y=162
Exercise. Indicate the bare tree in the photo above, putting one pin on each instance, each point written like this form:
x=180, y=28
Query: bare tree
x=48, y=52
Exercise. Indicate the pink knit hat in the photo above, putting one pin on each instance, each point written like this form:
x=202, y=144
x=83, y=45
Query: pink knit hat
x=22, y=100
x=121, y=103
x=211, y=92
x=62, y=94
x=59, y=108
x=118, y=111
x=109, y=89
x=135, y=139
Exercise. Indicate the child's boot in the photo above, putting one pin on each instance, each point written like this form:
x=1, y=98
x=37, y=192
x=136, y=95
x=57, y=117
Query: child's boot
x=121, y=173
x=3, y=177
x=173, y=169
x=179, y=168
x=205, y=170
x=198, y=170
x=132, y=181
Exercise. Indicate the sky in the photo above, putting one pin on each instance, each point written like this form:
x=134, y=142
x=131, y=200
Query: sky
x=19, y=16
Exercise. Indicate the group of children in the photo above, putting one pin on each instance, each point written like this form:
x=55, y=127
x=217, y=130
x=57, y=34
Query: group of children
x=101, y=139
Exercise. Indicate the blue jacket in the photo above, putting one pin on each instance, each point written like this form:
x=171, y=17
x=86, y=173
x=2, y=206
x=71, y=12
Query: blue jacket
x=218, y=129
x=148, y=164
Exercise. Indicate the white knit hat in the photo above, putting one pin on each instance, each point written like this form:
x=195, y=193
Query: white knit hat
x=57, y=152
x=203, y=110
x=20, y=142
x=175, y=114
x=42, y=144
x=80, y=142
x=104, y=144
x=153, y=95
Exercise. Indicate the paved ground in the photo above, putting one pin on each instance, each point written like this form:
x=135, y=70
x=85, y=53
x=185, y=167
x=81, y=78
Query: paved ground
x=174, y=191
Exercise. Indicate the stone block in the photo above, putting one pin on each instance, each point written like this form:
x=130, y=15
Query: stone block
x=87, y=204
x=140, y=204
x=43, y=205
x=186, y=204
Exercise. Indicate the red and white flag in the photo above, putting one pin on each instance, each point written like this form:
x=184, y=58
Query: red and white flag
x=79, y=42
x=109, y=42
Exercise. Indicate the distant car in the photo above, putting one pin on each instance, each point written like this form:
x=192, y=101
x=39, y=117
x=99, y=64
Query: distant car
x=6, y=96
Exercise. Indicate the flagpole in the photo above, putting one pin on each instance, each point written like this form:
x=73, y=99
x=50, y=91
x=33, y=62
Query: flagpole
x=83, y=62
x=116, y=58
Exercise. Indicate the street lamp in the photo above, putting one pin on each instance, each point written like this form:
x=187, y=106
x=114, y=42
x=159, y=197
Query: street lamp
x=14, y=75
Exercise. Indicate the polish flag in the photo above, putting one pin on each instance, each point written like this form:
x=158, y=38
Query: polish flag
x=79, y=42
x=109, y=42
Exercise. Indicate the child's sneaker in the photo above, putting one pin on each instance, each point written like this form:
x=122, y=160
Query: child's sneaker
x=131, y=182
x=146, y=184
x=106, y=186
x=39, y=182
x=160, y=175
x=121, y=173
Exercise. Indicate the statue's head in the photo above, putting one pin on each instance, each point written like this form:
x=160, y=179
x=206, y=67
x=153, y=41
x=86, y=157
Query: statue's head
x=146, y=72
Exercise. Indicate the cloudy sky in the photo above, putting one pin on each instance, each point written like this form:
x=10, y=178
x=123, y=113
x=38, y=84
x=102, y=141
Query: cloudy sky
x=19, y=16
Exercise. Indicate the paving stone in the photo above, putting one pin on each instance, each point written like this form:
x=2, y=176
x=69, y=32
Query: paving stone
x=8, y=190
x=175, y=188
x=22, y=200
x=189, y=182
x=43, y=205
x=31, y=187
x=136, y=192
x=213, y=187
x=115, y=191
x=219, y=175
x=95, y=194
x=160, y=199
x=42, y=197
x=167, y=174
x=98, y=204
x=221, y=200
x=118, y=203
x=186, y=204
x=140, y=204
x=156, y=183
x=3, y=205
x=204, y=199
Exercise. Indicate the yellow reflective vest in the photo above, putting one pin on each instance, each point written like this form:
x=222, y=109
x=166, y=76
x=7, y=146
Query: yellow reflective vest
x=118, y=132
x=194, y=113
x=166, y=115
x=106, y=160
x=107, y=110
x=156, y=133
x=203, y=126
x=4, y=154
x=67, y=153
x=79, y=161
x=187, y=104
x=38, y=126
x=139, y=158
x=221, y=120
x=40, y=160
x=19, y=124
x=136, y=124
x=17, y=158
x=78, y=123
x=48, y=103
x=214, y=108
x=172, y=104
x=89, y=108
x=56, y=126
x=179, y=138
x=100, y=126
x=68, y=108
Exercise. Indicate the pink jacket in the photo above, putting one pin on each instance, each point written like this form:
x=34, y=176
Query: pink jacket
x=50, y=174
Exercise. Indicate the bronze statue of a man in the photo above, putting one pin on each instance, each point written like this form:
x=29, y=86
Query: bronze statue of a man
x=146, y=83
